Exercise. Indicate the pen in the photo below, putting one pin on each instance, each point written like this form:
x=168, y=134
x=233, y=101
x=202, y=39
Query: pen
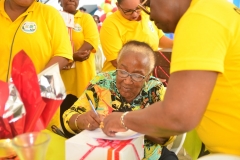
x=91, y=104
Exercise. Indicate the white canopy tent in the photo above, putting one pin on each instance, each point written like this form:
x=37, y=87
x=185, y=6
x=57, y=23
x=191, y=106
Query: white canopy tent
x=55, y=3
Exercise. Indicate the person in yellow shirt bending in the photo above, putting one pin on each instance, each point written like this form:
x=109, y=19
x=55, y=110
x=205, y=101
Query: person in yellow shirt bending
x=204, y=86
x=129, y=22
x=85, y=39
x=36, y=28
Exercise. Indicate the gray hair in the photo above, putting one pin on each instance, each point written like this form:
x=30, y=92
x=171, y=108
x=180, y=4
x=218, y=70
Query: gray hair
x=143, y=50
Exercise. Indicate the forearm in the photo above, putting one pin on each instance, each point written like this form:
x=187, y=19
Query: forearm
x=57, y=59
x=158, y=124
x=75, y=123
x=86, y=47
x=83, y=52
x=182, y=108
x=165, y=42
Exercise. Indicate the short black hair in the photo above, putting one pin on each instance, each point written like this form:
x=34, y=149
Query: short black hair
x=83, y=9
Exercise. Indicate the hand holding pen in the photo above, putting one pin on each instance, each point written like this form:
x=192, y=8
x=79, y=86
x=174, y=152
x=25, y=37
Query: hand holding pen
x=91, y=104
x=92, y=117
x=89, y=120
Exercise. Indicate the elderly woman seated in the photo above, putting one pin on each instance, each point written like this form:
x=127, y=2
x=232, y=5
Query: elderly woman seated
x=131, y=87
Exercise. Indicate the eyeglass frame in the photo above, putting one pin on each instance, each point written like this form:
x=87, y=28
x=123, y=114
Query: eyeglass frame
x=140, y=6
x=131, y=11
x=131, y=74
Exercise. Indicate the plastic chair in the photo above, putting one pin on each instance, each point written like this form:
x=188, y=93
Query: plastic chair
x=219, y=157
x=178, y=143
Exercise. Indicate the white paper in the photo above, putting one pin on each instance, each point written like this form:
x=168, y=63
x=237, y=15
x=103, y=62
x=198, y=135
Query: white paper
x=99, y=134
x=77, y=146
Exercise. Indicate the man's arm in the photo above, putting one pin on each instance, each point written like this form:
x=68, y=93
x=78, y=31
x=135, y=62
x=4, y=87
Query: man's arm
x=184, y=104
x=165, y=42
x=57, y=59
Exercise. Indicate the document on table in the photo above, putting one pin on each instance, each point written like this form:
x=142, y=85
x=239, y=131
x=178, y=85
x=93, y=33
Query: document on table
x=99, y=134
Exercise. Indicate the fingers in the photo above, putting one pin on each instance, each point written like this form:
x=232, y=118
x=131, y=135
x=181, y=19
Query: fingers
x=93, y=120
x=112, y=125
x=81, y=55
x=68, y=66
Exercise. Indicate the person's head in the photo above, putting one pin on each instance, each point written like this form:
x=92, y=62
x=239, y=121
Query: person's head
x=69, y=6
x=136, y=58
x=96, y=19
x=167, y=13
x=82, y=9
x=129, y=9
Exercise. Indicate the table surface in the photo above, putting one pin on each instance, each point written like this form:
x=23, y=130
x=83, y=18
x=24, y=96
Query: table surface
x=56, y=147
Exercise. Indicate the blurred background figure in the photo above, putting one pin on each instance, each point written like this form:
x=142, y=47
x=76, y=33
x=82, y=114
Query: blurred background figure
x=129, y=22
x=85, y=39
x=99, y=12
x=98, y=22
x=82, y=9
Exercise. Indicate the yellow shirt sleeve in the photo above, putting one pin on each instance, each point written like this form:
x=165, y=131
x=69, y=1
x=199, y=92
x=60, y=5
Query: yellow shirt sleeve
x=90, y=31
x=61, y=45
x=110, y=40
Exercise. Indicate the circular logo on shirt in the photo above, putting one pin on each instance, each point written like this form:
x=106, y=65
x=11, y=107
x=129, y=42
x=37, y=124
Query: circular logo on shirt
x=77, y=28
x=150, y=25
x=29, y=27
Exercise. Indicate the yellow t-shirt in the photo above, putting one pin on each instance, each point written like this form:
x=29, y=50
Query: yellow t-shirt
x=116, y=31
x=76, y=79
x=208, y=38
x=41, y=34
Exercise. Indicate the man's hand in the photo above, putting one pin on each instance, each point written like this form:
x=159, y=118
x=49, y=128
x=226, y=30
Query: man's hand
x=112, y=124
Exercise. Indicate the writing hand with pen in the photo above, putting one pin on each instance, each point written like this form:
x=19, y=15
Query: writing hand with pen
x=90, y=120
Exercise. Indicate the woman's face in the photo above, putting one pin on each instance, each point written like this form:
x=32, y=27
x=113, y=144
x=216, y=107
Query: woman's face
x=70, y=6
x=129, y=9
x=132, y=63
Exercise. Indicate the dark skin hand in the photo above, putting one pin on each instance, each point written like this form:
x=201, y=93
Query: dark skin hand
x=83, y=52
x=60, y=60
x=84, y=120
x=81, y=55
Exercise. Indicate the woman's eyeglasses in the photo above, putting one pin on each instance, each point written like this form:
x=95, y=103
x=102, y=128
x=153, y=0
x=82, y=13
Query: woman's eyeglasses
x=135, y=76
x=140, y=7
x=130, y=11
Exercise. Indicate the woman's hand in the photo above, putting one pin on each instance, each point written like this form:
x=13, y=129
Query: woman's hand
x=81, y=55
x=89, y=120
